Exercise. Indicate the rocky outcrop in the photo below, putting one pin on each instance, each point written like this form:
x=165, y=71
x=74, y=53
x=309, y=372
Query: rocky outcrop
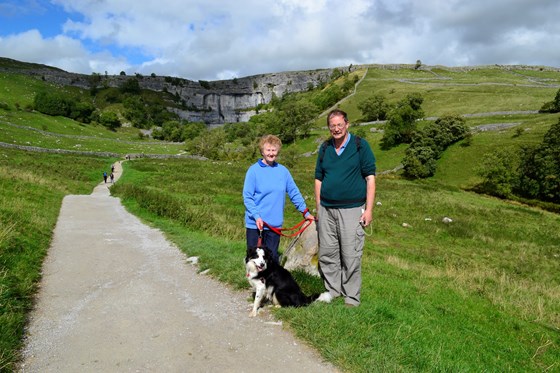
x=222, y=101
x=211, y=102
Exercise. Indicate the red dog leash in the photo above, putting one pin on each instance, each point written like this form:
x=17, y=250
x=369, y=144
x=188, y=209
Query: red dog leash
x=303, y=224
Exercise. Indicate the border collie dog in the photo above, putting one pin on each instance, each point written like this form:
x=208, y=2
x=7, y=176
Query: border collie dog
x=272, y=281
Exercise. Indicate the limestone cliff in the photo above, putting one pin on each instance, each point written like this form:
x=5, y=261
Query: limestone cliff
x=212, y=102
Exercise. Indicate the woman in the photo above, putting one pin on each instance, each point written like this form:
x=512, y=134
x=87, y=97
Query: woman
x=264, y=196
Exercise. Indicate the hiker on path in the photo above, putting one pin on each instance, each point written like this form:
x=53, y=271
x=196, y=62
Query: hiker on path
x=344, y=194
x=112, y=177
x=105, y=176
x=264, y=196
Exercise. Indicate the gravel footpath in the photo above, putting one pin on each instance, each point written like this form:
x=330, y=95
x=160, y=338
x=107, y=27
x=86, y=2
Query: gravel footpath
x=116, y=296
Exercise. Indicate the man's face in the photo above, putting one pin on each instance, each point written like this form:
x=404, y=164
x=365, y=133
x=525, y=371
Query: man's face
x=338, y=127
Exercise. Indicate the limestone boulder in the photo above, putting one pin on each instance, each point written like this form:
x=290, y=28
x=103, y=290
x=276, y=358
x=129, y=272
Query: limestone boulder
x=302, y=252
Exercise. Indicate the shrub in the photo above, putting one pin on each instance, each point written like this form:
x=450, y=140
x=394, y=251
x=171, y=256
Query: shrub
x=192, y=130
x=82, y=111
x=499, y=172
x=552, y=106
x=208, y=144
x=540, y=168
x=428, y=145
x=289, y=157
x=328, y=97
x=53, y=104
x=110, y=120
x=419, y=162
x=131, y=86
x=170, y=131
x=204, y=84
x=402, y=119
x=374, y=108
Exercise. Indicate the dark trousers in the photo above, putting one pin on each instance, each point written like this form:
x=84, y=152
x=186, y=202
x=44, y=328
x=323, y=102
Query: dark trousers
x=269, y=239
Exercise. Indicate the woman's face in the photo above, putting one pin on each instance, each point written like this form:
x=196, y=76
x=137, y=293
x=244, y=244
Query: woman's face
x=269, y=153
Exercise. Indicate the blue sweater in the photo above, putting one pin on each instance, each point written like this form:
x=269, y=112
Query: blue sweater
x=264, y=194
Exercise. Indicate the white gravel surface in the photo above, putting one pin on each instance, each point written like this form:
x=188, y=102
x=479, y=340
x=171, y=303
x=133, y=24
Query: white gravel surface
x=116, y=296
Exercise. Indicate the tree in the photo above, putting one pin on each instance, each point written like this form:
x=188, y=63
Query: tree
x=374, y=108
x=327, y=97
x=131, y=85
x=93, y=82
x=499, y=172
x=82, y=111
x=193, y=130
x=348, y=84
x=53, y=103
x=336, y=73
x=244, y=132
x=170, y=131
x=540, y=168
x=419, y=162
x=552, y=106
x=428, y=144
x=446, y=130
x=297, y=115
x=110, y=120
x=135, y=111
x=209, y=144
x=289, y=157
x=402, y=119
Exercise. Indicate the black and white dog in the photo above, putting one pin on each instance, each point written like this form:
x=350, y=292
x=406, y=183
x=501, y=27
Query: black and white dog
x=272, y=281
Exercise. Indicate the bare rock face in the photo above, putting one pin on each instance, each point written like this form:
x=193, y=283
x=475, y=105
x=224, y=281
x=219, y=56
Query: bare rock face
x=212, y=102
x=302, y=253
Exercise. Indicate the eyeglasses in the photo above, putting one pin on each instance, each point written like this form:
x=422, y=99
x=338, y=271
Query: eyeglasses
x=337, y=126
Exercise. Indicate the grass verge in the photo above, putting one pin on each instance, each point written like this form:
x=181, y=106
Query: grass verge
x=32, y=187
x=480, y=293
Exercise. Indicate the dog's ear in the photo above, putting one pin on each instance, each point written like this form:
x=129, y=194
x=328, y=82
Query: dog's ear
x=267, y=254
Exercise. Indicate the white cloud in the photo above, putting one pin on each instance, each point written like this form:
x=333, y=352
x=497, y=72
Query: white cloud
x=61, y=51
x=211, y=39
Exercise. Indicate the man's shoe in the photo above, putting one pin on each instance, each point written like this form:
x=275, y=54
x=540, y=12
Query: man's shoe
x=325, y=297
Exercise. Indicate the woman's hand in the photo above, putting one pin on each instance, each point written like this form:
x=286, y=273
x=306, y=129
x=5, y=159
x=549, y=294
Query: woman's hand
x=260, y=224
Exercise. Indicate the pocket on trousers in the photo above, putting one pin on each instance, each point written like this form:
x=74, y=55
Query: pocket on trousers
x=360, y=238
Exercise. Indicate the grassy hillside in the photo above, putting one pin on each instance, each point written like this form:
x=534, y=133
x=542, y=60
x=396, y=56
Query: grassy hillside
x=478, y=294
x=485, y=96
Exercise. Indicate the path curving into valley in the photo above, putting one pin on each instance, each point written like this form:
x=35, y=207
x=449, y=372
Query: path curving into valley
x=116, y=296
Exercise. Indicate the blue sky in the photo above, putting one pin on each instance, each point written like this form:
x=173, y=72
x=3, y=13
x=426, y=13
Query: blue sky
x=218, y=39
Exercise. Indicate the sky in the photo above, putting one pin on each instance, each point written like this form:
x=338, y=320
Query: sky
x=213, y=40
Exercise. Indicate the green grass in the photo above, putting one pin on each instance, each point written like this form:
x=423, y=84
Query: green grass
x=32, y=187
x=33, y=129
x=28, y=128
x=477, y=91
x=478, y=294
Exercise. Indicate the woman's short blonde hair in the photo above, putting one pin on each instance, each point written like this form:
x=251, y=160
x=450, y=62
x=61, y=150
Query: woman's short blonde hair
x=270, y=139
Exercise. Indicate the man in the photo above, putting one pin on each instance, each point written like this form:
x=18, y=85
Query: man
x=344, y=193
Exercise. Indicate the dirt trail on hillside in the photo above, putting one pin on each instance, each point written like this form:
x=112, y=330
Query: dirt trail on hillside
x=116, y=296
